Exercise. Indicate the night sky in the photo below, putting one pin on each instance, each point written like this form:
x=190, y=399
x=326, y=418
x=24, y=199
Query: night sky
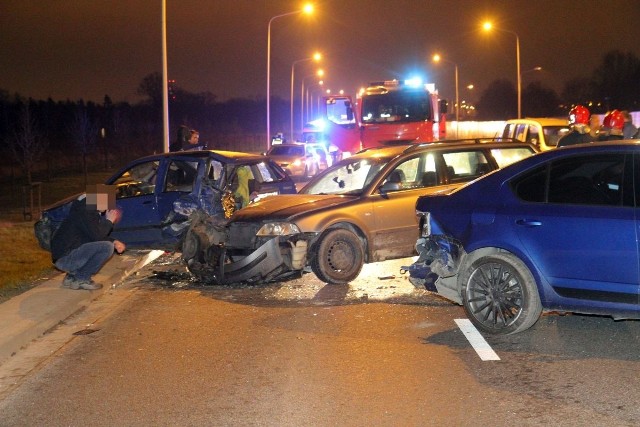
x=85, y=49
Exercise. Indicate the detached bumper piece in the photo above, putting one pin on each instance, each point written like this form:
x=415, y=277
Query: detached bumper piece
x=438, y=257
x=264, y=264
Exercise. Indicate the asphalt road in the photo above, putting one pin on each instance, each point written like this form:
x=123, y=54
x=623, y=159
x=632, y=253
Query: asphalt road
x=161, y=350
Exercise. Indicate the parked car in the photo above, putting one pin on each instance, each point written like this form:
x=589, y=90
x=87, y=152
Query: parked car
x=300, y=160
x=555, y=232
x=544, y=133
x=360, y=210
x=158, y=193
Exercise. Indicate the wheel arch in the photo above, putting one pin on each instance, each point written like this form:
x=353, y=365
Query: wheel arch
x=470, y=257
x=352, y=228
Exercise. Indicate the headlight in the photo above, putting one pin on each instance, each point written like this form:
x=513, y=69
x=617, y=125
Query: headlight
x=278, y=229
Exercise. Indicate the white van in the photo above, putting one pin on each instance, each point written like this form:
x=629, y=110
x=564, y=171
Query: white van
x=543, y=133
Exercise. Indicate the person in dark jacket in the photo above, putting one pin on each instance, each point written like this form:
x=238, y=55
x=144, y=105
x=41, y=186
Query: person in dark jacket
x=81, y=246
x=579, y=119
x=182, y=140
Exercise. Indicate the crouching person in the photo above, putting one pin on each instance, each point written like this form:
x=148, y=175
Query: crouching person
x=81, y=246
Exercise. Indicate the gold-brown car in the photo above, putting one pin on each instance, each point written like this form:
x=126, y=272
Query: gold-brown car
x=360, y=210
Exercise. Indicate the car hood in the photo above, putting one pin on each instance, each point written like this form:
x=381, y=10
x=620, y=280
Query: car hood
x=288, y=206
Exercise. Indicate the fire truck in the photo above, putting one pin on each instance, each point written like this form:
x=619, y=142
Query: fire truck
x=386, y=112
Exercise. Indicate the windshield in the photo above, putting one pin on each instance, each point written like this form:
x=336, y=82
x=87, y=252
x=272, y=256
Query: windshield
x=397, y=106
x=553, y=133
x=348, y=177
x=286, y=150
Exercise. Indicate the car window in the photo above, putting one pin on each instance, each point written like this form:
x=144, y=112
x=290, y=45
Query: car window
x=137, y=181
x=521, y=132
x=463, y=166
x=584, y=180
x=589, y=180
x=533, y=137
x=506, y=156
x=405, y=176
x=214, y=172
x=265, y=172
x=181, y=176
x=508, y=130
x=531, y=187
x=552, y=134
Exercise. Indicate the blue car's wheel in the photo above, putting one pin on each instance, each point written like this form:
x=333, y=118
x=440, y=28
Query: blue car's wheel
x=500, y=295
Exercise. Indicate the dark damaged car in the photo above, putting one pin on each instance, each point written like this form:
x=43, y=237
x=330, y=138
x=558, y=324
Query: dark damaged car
x=554, y=232
x=360, y=210
x=159, y=193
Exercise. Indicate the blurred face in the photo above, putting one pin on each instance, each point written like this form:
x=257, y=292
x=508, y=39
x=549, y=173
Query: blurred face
x=101, y=197
x=195, y=138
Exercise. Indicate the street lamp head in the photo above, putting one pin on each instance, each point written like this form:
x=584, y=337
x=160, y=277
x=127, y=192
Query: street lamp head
x=487, y=26
x=436, y=58
x=308, y=9
x=317, y=56
x=320, y=73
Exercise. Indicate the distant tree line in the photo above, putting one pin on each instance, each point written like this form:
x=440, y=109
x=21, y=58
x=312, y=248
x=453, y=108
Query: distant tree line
x=49, y=137
x=614, y=84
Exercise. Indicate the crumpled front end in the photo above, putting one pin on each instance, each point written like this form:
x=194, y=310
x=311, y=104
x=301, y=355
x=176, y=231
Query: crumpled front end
x=438, y=256
x=219, y=252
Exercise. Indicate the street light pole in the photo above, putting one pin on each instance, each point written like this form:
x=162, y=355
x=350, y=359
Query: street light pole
x=519, y=75
x=307, y=9
x=165, y=81
x=438, y=58
x=318, y=73
x=315, y=57
x=487, y=27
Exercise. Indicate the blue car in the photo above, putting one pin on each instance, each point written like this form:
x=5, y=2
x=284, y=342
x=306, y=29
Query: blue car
x=557, y=231
x=158, y=194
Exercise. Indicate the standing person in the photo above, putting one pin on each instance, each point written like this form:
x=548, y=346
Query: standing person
x=579, y=117
x=612, y=125
x=182, y=140
x=629, y=131
x=82, y=245
x=193, y=142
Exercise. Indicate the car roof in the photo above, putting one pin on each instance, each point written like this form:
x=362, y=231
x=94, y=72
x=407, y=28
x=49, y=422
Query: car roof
x=222, y=155
x=453, y=145
x=543, y=121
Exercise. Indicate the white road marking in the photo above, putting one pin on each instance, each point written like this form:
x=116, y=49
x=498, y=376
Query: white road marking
x=476, y=340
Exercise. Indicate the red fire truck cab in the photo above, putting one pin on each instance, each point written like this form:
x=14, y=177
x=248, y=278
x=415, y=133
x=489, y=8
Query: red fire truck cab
x=384, y=113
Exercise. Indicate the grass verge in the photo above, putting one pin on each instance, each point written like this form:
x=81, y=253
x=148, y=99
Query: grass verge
x=23, y=262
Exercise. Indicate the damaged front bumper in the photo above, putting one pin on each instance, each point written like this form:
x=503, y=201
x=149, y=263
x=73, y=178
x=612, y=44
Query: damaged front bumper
x=271, y=261
x=439, y=258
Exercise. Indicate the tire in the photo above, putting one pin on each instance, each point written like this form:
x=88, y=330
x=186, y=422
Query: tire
x=338, y=257
x=500, y=295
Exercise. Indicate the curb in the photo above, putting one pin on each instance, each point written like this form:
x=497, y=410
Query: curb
x=32, y=314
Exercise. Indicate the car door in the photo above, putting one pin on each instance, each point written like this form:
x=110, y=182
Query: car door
x=147, y=212
x=582, y=233
x=136, y=197
x=395, y=225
